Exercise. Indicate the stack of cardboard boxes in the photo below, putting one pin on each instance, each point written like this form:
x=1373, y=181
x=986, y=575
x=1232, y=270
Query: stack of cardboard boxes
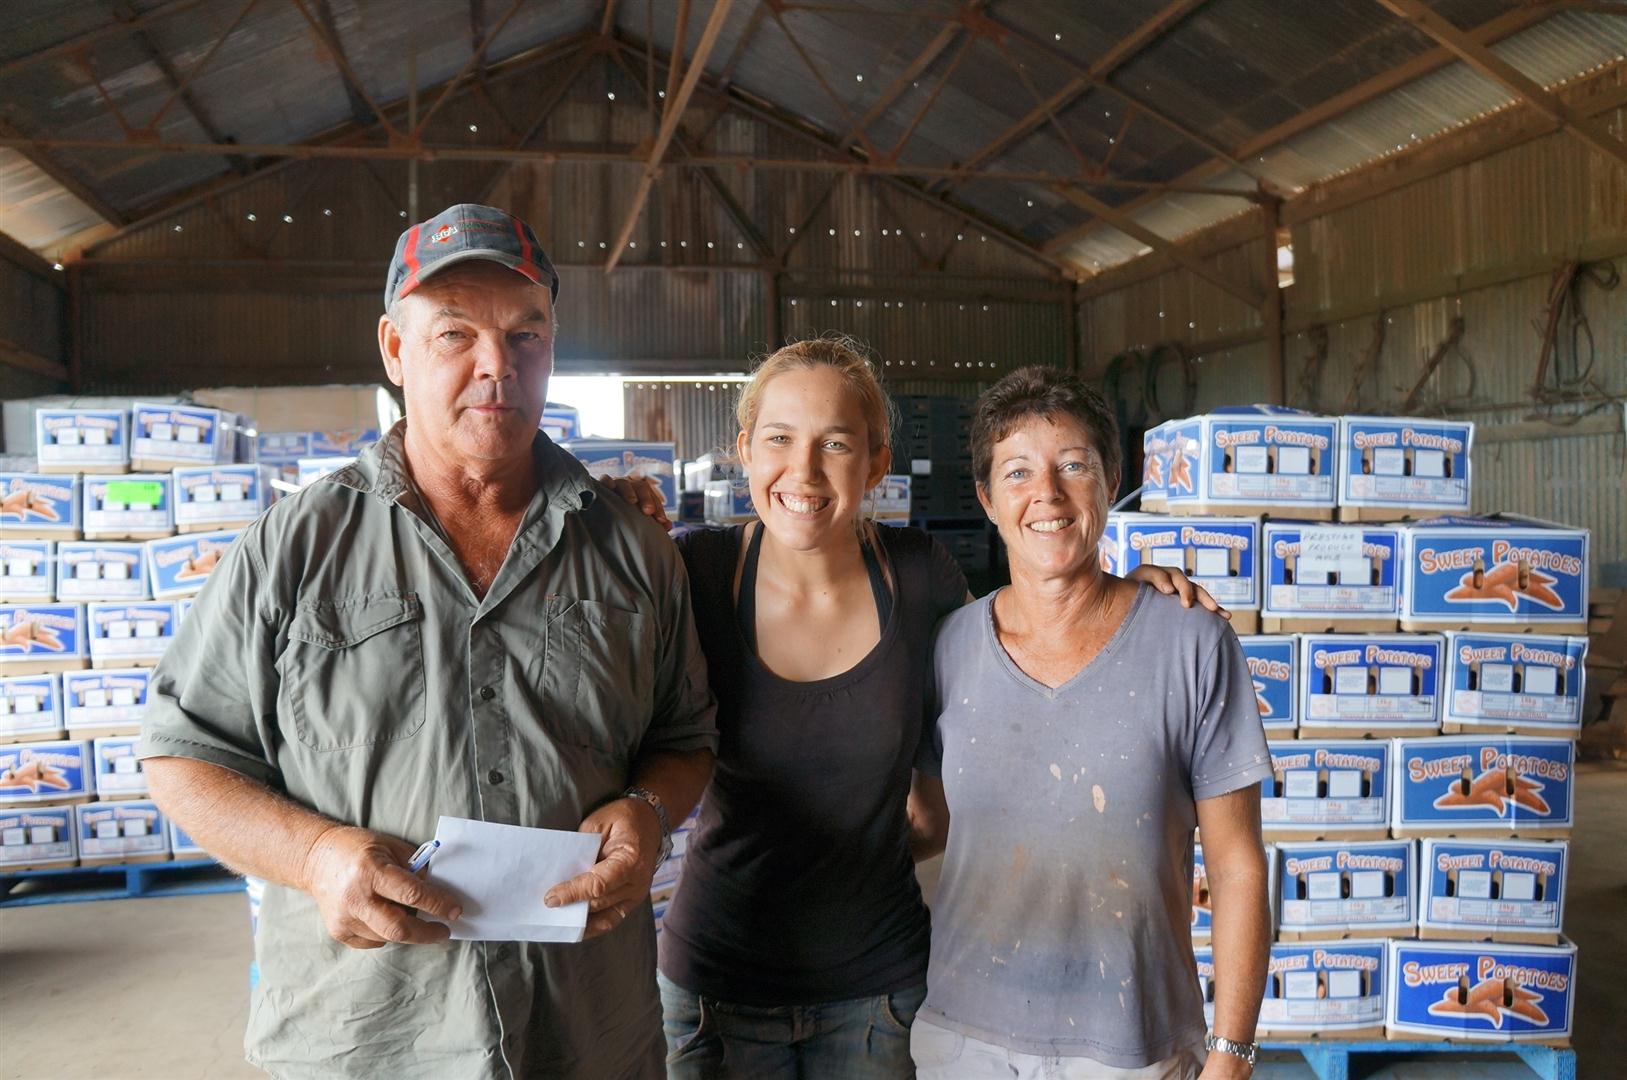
x=1419, y=672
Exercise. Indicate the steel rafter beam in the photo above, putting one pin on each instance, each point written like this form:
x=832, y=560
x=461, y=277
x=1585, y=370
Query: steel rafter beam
x=550, y=101
x=362, y=106
x=915, y=69
x=475, y=60
x=1486, y=33
x=91, y=37
x=775, y=8
x=1506, y=75
x=46, y=164
x=669, y=126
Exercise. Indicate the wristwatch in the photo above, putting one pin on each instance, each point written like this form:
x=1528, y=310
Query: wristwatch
x=646, y=795
x=1246, y=1051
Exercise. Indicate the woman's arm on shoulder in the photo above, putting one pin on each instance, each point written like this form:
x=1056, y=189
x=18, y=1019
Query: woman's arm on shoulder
x=1234, y=859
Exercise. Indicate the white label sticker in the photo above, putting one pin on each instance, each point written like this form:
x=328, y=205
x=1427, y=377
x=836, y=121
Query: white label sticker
x=1520, y=886
x=188, y=434
x=1350, y=680
x=42, y=834
x=95, y=437
x=1541, y=680
x=231, y=493
x=21, y=566
x=1430, y=464
x=116, y=571
x=126, y=766
x=163, y=432
x=1301, y=784
x=1293, y=461
x=107, y=830
x=147, y=628
x=26, y=703
x=1367, y=885
x=14, y=837
x=120, y=628
x=1175, y=557
x=1301, y=984
x=1250, y=459
x=920, y=466
x=1323, y=886
x=1344, y=784
x=1395, y=680
x=136, y=827
x=1344, y=984
x=1474, y=884
x=67, y=437
x=1213, y=562
x=1388, y=461
x=121, y=696
x=89, y=570
x=1497, y=678
x=95, y=699
x=203, y=493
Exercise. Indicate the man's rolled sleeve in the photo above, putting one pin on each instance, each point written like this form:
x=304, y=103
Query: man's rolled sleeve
x=685, y=716
x=213, y=695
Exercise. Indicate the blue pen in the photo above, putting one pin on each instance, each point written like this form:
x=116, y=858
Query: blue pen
x=420, y=858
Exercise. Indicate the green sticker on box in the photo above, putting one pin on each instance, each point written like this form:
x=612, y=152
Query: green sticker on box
x=135, y=492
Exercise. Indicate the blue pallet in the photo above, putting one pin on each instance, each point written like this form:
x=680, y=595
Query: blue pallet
x=117, y=881
x=1330, y=1060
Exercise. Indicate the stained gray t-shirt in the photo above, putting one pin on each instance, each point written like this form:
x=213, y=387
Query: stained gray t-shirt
x=1062, y=923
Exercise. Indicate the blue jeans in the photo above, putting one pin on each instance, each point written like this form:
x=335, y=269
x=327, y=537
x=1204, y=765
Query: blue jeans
x=859, y=1039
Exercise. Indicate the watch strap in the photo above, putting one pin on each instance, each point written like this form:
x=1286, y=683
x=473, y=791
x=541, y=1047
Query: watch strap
x=654, y=800
x=1246, y=1051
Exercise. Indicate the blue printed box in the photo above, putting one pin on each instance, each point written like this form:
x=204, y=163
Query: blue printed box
x=164, y=436
x=1494, y=572
x=27, y=570
x=728, y=502
x=1404, y=463
x=1202, y=906
x=218, y=496
x=134, y=831
x=1494, y=890
x=82, y=440
x=34, y=506
x=1260, y=457
x=1489, y=993
x=611, y=457
x=134, y=507
x=1327, y=789
x=1157, y=445
x=1332, y=986
x=282, y=447
x=30, y=708
x=130, y=635
x=1344, y=888
x=342, y=443
x=37, y=638
x=560, y=422
x=1521, y=683
x=1510, y=785
x=178, y=566
x=1221, y=554
x=312, y=469
x=182, y=846
x=37, y=837
x=890, y=499
x=1370, y=684
x=1273, y=666
x=1319, y=575
x=105, y=702
x=45, y=772
x=92, y=570
x=119, y=774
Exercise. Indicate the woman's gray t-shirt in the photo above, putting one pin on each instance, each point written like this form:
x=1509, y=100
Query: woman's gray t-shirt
x=1062, y=923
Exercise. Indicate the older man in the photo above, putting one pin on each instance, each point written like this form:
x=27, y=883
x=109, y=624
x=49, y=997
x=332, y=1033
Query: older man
x=457, y=624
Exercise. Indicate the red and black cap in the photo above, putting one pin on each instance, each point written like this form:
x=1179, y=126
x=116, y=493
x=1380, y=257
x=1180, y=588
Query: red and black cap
x=460, y=233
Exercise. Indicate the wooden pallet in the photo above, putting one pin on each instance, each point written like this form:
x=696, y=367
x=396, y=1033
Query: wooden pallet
x=1329, y=1059
x=115, y=881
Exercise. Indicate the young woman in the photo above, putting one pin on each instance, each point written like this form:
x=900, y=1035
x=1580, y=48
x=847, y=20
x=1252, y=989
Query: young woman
x=797, y=942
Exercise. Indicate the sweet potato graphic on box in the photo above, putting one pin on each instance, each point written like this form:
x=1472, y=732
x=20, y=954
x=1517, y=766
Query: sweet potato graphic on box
x=1180, y=470
x=35, y=774
x=30, y=635
x=25, y=502
x=1491, y=1000
x=1507, y=583
x=1497, y=789
x=198, y=567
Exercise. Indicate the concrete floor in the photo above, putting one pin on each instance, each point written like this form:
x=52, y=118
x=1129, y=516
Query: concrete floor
x=159, y=988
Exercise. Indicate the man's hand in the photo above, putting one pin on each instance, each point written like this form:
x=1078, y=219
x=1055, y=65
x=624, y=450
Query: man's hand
x=1223, y=1066
x=361, y=885
x=620, y=880
x=1173, y=582
x=643, y=492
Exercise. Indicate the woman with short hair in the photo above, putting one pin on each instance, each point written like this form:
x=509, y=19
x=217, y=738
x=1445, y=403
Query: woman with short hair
x=1085, y=726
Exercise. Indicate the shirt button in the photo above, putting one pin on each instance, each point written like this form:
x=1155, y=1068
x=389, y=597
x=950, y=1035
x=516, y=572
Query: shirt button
x=487, y=693
x=495, y=777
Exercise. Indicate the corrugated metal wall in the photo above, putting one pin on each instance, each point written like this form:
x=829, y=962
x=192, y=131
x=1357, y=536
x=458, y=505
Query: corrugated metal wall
x=33, y=321
x=698, y=417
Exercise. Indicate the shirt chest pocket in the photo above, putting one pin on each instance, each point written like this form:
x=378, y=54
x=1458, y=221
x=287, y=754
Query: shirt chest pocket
x=353, y=672
x=599, y=674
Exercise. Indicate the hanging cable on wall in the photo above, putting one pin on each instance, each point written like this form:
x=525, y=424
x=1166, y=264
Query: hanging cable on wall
x=1310, y=376
x=1449, y=345
x=1366, y=365
x=1565, y=363
x=1157, y=358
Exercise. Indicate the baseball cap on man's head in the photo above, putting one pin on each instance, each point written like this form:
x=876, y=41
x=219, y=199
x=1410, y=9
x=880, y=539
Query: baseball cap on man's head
x=460, y=233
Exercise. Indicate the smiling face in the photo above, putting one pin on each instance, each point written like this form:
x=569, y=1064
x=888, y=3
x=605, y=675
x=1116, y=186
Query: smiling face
x=1048, y=492
x=472, y=354
x=809, y=458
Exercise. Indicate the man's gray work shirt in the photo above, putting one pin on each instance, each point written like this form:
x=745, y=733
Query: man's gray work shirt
x=338, y=654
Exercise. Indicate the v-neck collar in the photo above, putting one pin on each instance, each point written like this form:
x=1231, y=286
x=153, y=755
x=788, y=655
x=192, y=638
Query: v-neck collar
x=1027, y=681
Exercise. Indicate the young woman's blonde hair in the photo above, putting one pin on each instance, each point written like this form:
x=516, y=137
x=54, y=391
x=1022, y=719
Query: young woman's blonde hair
x=838, y=352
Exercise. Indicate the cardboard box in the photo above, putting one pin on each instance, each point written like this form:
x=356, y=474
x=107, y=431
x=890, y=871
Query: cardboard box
x=1519, y=683
x=1347, y=888
x=183, y=608
x=89, y=570
x=1391, y=467
x=164, y=436
x=890, y=499
x=1493, y=573
x=1221, y=554
x=346, y=442
x=134, y=831
x=221, y=496
x=119, y=773
x=130, y=635
x=1490, y=993
x=1370, y=684
x=82, y=440
x=281, y=450
x=108, y=702
x=1255, y=459
x=1327, y=790
x=709, y=467
x=1493, y=890
x=182, y=846
x=1465, y=785
x=37, y=838
x=332, y=407
x=37, y=638
x=560, y=422
x=139, y=506
x=1203, y=909
x=34, y=506
x=312, y=469
x=1273, y=665
x=30, y=708
x=1331, y=577
x=728, y=502
x=178, y=566
x=1325, y=988
x=614, y=457
x=1156, y=447
x=27, y=571
x=57, y=771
